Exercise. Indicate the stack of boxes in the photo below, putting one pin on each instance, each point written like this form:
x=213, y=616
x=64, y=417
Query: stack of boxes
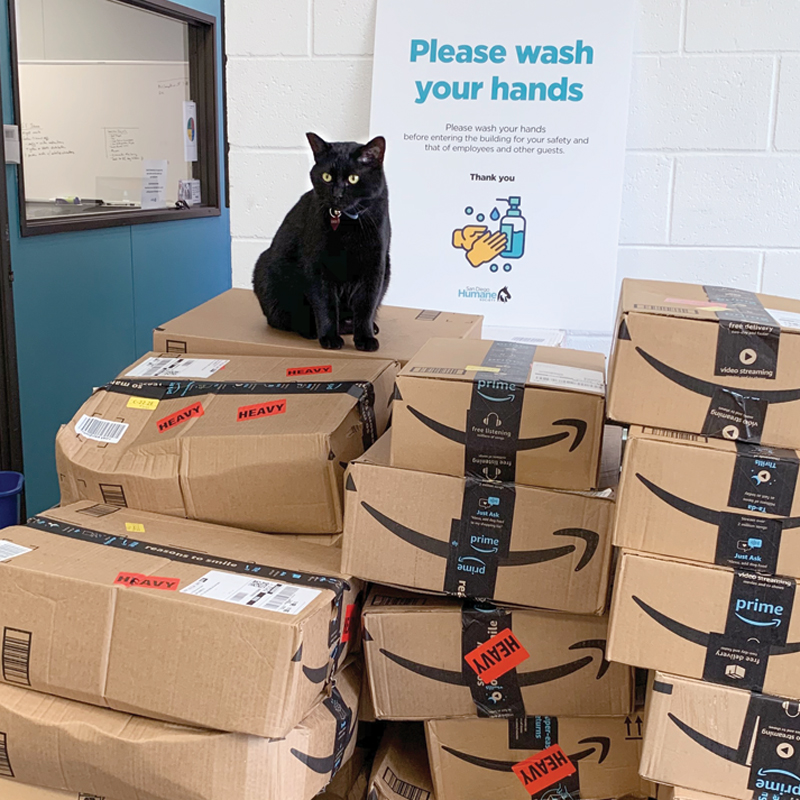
x=180, y=628
x=707, y=519
x=487, y=490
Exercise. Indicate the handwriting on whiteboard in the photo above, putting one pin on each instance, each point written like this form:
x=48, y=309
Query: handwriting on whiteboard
x=174, y=83
x=35, y=143
x=122, y=144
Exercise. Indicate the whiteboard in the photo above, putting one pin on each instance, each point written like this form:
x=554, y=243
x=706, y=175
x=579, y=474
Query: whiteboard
x=87, y=126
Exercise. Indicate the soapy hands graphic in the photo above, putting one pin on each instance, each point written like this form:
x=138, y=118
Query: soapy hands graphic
x=481, y=244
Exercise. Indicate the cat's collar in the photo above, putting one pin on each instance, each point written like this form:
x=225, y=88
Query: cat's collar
x=336, y=217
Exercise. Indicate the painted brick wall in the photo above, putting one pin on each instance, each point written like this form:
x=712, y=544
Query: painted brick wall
x=712, y=189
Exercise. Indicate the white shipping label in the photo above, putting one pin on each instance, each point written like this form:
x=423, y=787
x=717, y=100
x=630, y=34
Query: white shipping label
x=244, y=590
x=101, y=430
x=177, y=368
x=563, y=377
x=10, y=550
x=786, y=319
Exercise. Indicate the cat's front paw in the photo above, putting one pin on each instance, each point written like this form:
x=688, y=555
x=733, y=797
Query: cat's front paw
x=334, y=342
x=368, y=343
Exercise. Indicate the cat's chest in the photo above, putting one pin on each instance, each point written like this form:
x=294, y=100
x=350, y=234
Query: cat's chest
x=349, y=254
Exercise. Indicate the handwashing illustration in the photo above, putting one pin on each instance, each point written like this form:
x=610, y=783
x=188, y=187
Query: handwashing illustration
x=483, y=245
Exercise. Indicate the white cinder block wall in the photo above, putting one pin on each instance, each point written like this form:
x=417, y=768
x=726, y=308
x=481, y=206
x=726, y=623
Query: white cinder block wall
x=712, y=189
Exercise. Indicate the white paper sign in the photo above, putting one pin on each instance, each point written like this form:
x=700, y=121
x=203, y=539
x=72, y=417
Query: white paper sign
x=189, y=130
x=154, y=186
x=505, y=130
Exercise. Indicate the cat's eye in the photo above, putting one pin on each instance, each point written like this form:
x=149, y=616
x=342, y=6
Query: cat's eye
x=327, y=177
x=352, y=178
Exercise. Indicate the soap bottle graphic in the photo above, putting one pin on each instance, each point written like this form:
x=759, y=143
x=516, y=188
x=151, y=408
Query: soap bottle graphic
x=513, y=226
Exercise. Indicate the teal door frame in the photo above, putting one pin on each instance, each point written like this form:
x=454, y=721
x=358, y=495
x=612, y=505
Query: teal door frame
x=86, y=301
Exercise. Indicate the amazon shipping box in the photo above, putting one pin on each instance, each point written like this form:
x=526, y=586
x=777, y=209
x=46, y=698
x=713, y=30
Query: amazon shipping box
x=401, y=766
x=258, y=443
x=721, y=740
x=13, y=790
x=233, y=324
x=501, y=411
x=435, y=658
x=517, y=545
x=708, y=360
x=553, y=757
x=352, y=780
x=172, y=619
x=712, y=623
x=74, y=747
x=702, y=499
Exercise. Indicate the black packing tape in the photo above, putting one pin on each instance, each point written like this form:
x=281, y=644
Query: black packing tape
x=362, y=391
x=748, y=337
x=502, y=697
x=344, y=723
x=759, y=611
x=479, y=539
x=764, y=479
x=734, y=416
x=747, y=542
x=495, y=412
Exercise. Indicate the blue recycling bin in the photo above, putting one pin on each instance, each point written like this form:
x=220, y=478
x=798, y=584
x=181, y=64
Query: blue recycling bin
x=10, y=494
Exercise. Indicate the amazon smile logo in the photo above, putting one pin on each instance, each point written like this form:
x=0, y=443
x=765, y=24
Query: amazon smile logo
x=534, y=678
x=460, y=437
x=600, y=745
x=325, y=765
x=516, y=558
x=708, y=388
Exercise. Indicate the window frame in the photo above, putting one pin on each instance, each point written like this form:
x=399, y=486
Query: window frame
x=202, y=33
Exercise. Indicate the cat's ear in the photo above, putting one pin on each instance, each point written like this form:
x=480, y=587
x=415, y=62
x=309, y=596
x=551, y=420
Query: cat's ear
x=318, y=145
x=372, y=152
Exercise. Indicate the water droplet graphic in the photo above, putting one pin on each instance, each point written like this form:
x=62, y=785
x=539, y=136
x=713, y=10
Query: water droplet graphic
x=495, y=214
x=468, y=210
x=506, y=267
x=494, y=268
x=480, y=218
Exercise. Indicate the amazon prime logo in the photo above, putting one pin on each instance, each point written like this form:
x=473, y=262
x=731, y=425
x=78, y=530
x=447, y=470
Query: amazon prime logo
x=507, y=391
x=746, y=610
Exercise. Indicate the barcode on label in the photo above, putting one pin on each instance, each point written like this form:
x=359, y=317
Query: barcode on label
x=16, y=656
x=428, y=316
x=90, y=797
x=177, y=368
x=684, y=437
x=244, y=590
x=10, y=550
x=5, y=764
x=403, y=788
x=99, y=509
x=666, y=309
x=113, y=495
x=438, y=371
x=386, y=600
x=100, y=430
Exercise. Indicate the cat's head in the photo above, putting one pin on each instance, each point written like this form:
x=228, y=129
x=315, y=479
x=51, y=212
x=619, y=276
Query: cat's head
x=347, y=176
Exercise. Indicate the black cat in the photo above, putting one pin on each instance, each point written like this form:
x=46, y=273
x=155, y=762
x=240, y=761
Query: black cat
x=327, y=269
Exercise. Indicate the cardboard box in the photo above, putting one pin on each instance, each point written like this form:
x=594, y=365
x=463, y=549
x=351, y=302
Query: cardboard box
x=416, y=651
x=735, y=628
x=195, y=623
x=517, y=545
x=352, y=780
x=12, y=790
x=501, y=411
x=682, y=793
x=709, y=360
x=475, y=759
x=233, y=323
x=401, y=765
x=709, y=500
x=252, y=442
x=81, y=748
x=721, y=740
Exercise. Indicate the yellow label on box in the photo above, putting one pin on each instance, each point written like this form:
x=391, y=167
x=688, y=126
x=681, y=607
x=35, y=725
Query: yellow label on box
x=134, y=527
x=147, y=403
x=482, y=369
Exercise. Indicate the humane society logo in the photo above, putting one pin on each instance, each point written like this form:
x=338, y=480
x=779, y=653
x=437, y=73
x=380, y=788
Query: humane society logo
x=482, y=245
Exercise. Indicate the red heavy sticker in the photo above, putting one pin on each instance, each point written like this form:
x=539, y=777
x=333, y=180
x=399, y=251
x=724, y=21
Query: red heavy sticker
x=543, y=769
x=350, y=622
x=195, y=410
x=147, y=581
x=321, y=370
x=495, y=657
x=261, y=410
